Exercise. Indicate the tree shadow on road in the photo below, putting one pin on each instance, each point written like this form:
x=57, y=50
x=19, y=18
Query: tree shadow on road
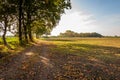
x=45, y=61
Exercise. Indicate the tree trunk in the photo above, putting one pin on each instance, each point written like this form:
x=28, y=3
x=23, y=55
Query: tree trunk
x=5, y=31
x=29, y=26
x=37, y=36
x=20, y=21
x=25, y=33
x=4, y=39
x=25, y=29
x=30, y=34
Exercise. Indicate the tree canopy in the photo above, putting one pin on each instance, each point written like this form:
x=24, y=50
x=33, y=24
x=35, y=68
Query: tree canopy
x=31, y=16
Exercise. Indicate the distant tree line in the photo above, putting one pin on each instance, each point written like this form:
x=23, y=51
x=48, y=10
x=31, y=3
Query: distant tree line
x=70, y=33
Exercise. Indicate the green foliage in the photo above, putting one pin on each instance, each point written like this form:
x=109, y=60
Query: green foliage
x=48, y=15
x=34, y=16
x=7, y=18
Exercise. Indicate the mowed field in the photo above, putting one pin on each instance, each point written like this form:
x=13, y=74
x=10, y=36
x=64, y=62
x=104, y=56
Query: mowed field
x=67, y=59
x=101, y=47
x=89, y=58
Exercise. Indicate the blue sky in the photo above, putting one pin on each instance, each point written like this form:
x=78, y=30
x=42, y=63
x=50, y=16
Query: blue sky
x=102, y=16
x=99, y=7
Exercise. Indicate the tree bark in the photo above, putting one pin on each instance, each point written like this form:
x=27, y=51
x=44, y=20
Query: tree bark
x=30, y=34
x=29, y=26
x=25, y=29
x=20, y=21
x=37, y=36
x=25, y=33
x=5, y=31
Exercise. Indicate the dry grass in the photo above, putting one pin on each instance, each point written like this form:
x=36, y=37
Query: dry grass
x=93, y=58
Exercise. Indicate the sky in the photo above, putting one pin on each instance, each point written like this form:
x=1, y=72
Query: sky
x=101, y=16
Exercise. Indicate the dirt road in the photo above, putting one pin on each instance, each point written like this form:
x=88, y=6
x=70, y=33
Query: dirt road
x=39, y=63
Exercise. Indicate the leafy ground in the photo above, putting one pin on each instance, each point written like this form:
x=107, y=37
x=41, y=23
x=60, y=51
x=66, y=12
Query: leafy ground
x=65, y=59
